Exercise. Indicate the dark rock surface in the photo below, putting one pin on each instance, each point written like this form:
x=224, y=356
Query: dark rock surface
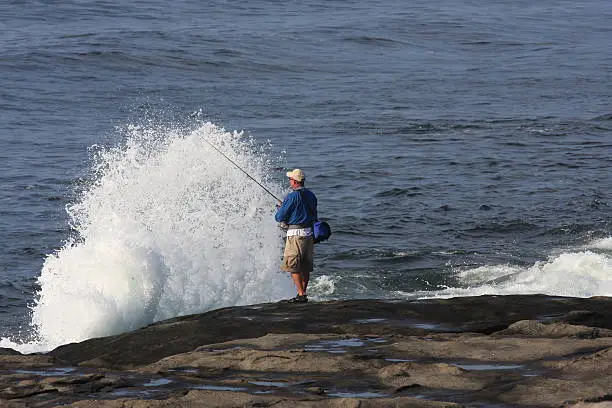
x=538, y=351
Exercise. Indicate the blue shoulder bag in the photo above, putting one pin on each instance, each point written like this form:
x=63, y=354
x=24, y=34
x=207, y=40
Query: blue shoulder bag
x=321, y=230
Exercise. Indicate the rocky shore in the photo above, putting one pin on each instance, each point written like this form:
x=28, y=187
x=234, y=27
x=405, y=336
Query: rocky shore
x=497, y=351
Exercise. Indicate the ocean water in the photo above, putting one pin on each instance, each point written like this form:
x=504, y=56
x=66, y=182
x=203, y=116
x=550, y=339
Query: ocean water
x=457, y=149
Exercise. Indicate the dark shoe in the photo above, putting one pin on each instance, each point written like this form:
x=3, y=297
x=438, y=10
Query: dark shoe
x=298, y=299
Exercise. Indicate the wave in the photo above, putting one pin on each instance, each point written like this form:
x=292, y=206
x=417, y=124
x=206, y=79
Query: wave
x=603, y=243
x=168, y=227
x=510, y=226
x=375, y=41
x=603, y=117
x=582, y=273
x=400, y=192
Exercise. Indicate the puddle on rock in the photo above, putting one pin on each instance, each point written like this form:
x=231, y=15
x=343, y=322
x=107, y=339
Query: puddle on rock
x=215, y=350
x=275, y=384
x=489, y=367
x=133, y=393
x=184, y=370
x=398, y=360
x=158, y=382
x=357, y=394
x=366, y=321
x=217, y=388
x=525, y=371
x=340, y=346
x=428, y=326
x=49, y=373
x=334, y=346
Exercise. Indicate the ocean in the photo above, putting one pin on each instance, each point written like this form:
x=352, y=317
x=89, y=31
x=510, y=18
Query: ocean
x=456, y=149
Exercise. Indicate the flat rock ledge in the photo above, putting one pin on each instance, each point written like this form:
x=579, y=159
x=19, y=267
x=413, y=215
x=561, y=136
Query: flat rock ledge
x=497, y=351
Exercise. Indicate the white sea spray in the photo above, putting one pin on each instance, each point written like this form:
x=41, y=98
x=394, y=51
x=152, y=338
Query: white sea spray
x=575, y=273
x=168, y=228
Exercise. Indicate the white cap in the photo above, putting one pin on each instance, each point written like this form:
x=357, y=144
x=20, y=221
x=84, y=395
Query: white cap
x=297, y=175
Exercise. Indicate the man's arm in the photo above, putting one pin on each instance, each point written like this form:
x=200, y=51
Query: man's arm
x=282, y=214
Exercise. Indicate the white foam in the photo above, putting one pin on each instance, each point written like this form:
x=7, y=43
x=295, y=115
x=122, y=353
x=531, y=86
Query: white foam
x=576, y=274
x=169, y=228
x=604, y=243
x=321, y=286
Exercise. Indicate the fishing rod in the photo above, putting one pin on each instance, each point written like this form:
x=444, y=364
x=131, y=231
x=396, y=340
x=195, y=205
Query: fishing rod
x=240, y=168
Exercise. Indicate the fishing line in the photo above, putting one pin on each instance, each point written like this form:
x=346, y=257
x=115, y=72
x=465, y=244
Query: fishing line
x=240, y=168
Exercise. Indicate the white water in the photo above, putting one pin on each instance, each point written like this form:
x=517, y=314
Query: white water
x=582, y=273
x=170, y=227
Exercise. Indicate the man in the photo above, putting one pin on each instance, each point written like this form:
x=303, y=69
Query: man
x=298, y=211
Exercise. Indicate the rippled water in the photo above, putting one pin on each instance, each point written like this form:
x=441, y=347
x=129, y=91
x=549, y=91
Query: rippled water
x=456, y=149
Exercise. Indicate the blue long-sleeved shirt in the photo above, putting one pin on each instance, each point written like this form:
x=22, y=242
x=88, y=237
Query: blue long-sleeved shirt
x=293, y=209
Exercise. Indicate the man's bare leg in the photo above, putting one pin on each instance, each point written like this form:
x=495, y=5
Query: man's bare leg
x=305, y=279
x=299, y=283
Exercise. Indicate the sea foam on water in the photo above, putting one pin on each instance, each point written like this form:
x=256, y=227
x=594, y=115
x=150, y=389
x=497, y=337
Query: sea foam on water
x=169, y=227
x=576, y=274
x=583, y=272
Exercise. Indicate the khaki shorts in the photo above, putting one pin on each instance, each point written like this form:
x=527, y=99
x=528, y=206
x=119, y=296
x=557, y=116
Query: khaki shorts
x=298, y=254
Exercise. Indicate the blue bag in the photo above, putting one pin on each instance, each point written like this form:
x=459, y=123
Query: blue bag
x=321, y=230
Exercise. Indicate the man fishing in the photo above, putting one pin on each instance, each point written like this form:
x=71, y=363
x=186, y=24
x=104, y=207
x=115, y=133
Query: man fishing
x=298, y=211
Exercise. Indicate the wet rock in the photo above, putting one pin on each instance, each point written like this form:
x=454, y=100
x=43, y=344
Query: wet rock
x=582, y=318
x=590, y=366
x=554, y=330
x=540, y=391
x=218, y=399
x=498, y=348
x=256, y=360
x=437, y=376
x=32, y=360
x=487, y=350
x=482, y=314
